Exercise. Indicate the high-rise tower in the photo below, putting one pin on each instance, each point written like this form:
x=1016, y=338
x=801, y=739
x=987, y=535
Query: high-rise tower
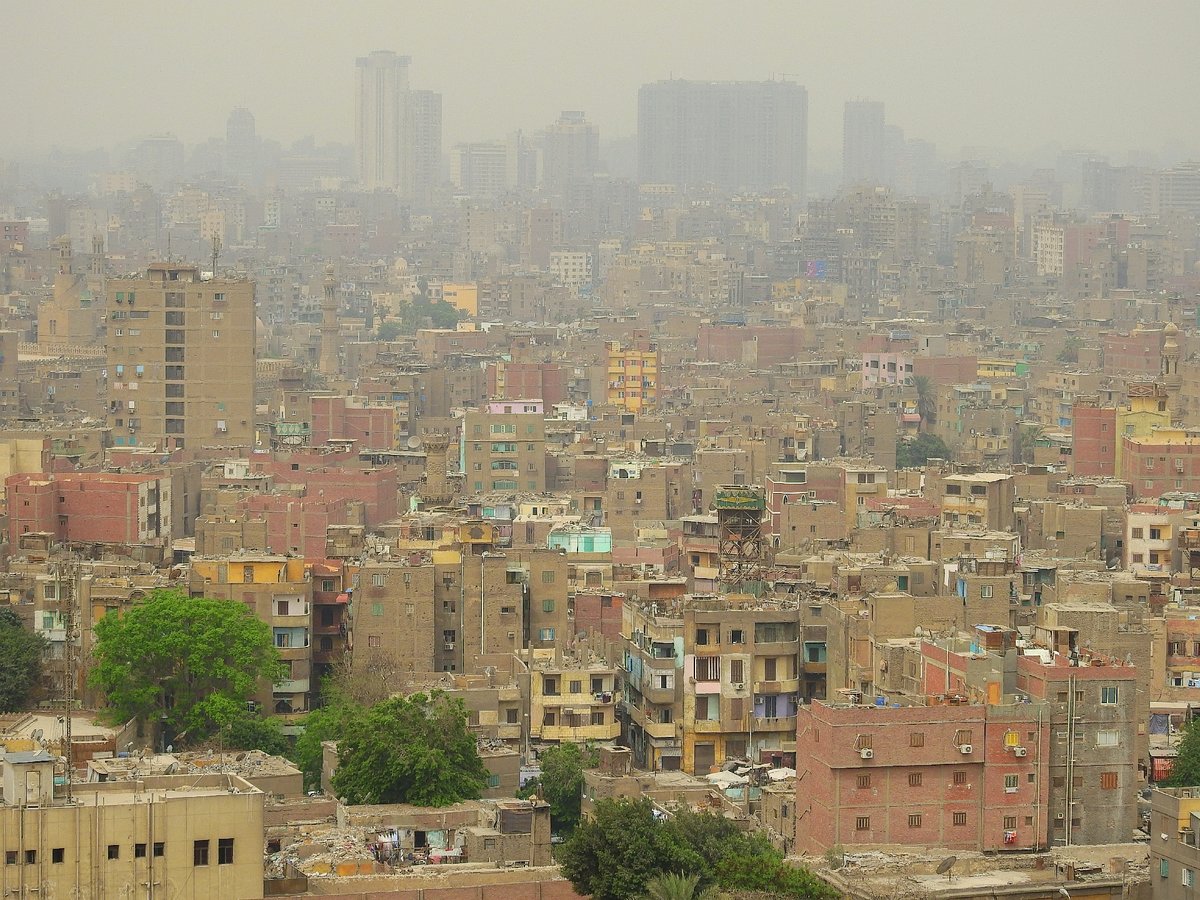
x=381, y=115
x=863, y=142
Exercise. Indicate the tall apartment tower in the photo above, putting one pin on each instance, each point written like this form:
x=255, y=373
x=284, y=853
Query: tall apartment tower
x=736, y=135
x=423, y=145
x=863, y=142
x=181, y=355
x=380, y=118
x=571, y=151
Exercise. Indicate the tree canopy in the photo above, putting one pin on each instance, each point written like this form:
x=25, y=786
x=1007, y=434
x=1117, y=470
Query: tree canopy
x=20, y=661
x=561, y=782
x=918, y=451
x=414, y=749
x=614, y=854
x=254, y=731
x=190, y=663
x=624, y=848
x=1186, y=770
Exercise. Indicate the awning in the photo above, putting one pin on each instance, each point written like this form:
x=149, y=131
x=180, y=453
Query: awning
x=343, y=598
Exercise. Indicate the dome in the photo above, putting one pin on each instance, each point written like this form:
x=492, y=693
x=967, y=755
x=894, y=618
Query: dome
x=1171, y=329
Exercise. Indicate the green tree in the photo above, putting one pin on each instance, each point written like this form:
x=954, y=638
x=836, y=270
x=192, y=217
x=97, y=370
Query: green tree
x=916, y=452
x=672, y=886
x=189, y=663
x=1070, y=349
x=561, y=782
x=614, y=854
x=1025, y=439
x=926, y=400
x=414, y=749
x=254, y=731
x=20, y=661
x=744, y=861
x=1186, y=770
x=325, y=724
x=388, y=330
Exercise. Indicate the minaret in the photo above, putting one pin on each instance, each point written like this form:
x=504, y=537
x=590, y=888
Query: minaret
x=329, y=327
x=437, y=490
x=98, y=256
x=1171, y=378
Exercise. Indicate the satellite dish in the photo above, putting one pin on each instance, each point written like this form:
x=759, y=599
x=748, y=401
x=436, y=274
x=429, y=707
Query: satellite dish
x=413, y=442
x=37, y=735
x=946, y=865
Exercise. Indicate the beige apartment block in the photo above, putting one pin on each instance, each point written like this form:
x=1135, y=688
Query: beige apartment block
x=181, y=353
x=178, y=836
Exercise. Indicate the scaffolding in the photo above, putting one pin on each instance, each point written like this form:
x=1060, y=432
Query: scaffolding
x=740, y=549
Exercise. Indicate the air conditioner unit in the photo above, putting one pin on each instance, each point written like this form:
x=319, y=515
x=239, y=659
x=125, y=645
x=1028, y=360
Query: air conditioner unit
x=965, y=749
x=866, y=753
x=738, y=686
x=1020, y=751
x=448, y=646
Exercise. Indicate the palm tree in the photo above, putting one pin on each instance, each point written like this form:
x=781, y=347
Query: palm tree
x=926, y=400
x=669, y=886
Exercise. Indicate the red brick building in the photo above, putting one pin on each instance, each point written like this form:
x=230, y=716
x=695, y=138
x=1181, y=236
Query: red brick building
x=1168, y=460
x=759, y=345
x=336, y=476
x=371, y=426
x=91, y=507
x=1093, y=440
x=947, y=369
x=965, y=777
x=1139, y=352
x=519, y=380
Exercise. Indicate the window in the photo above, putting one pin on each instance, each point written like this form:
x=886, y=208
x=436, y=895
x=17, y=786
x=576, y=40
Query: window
x=199, y=853
x=1137, y=534
x=160, y=848
x=114, y=851
x=374, y=641
x=1164, y=868
x=862, y=823
x=10, y=857
x=225, y=852
x=545, y=634
x=1108, y=738
x=378, y=579
x=377, y=609
x=576, y=687
x=737, y=636
x=916, y=739
x=1188, y=878
x=914, y=779
x=737, y=671
x=985, y=591
x=960, y=777
x=139, y=851
x=1108, y=781
x=31, y=857
x=702, y=637
x=863, y=782
x=1108, y=695
x=1011, y=784
x=708, y=668
x=548, y=576
x=547, y=605
x=914, y=821
x=960, y=818
x=1010, y=822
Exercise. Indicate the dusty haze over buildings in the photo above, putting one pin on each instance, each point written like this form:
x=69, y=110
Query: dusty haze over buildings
x=1017, y=76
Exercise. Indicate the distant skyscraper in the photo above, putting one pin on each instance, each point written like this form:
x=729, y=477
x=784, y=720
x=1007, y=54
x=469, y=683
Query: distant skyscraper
x=380, y=118
x=241, y=144
x=734, y=134
x=398, y=131
x=863, y=142
x=423, y=145
x=571, y=151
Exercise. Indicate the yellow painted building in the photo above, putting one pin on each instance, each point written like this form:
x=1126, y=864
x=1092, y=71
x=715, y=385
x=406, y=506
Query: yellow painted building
x=193, y=836
x=632, y=375
x=571, y=700
x=463, y=296
x=1146, y=411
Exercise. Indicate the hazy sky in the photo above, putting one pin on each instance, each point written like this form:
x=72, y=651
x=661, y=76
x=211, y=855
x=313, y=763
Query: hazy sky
x=1108, y=76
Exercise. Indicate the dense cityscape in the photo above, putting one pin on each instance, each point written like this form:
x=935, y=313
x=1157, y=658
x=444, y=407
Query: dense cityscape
x=672, y=513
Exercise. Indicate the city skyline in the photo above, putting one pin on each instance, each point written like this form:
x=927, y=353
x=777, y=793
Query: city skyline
x=518, y=66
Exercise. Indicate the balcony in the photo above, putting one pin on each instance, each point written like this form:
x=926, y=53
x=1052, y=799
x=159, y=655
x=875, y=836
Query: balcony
x=784, y=686
x=774, y=723
x=656, y=694
x=579, y=733
x=337, y=628
x=660, y=730
x=709, y=726
x=816, y=668
x=292, y=686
